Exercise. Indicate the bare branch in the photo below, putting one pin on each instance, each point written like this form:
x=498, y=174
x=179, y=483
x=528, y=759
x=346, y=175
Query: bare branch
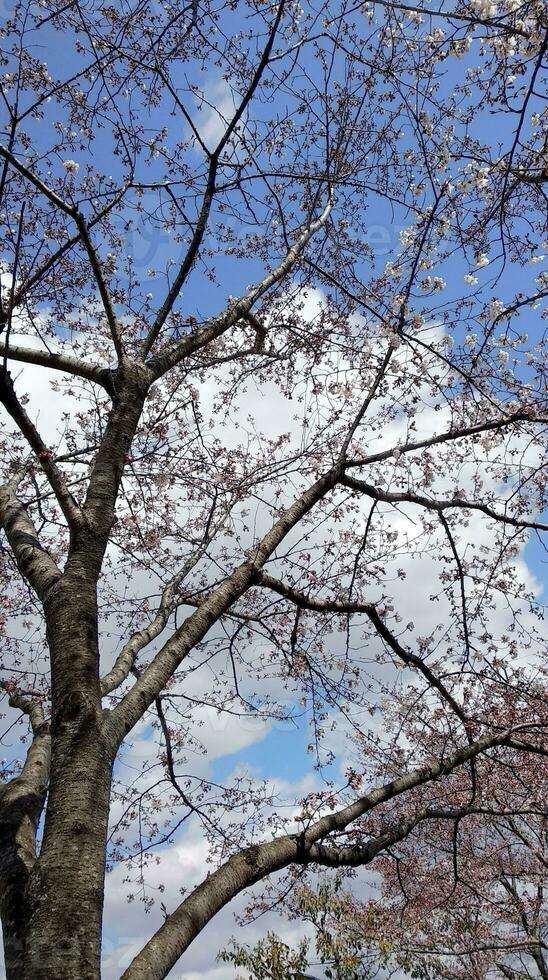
x=451, y=436
x=140, y=639
x=72, y=211
x=154, y=678
x=209, y=193
x=429, y=503
x=450, y=15
x=60, y=362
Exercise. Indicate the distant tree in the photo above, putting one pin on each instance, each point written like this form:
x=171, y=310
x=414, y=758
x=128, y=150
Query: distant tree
x=345, y=946
x=197, y=206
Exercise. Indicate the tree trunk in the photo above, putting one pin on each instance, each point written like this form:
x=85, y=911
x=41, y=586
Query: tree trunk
x=64, y=896
x=19, y=813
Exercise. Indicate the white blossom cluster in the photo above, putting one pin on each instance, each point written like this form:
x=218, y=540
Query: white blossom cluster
x=504, y=45
x=443, y=159
x=459, y=48
x=394, y=340
x=407, y=236
x=484, y=9
x=436, y=36
x=415, y=16
x=426, y=123
x=476, y=178
x=398, y=303
x=392, y=271
x=493, y=310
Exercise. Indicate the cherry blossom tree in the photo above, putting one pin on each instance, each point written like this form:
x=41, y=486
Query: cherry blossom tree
x=274, y=413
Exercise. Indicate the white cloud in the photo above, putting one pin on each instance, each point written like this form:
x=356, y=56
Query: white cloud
x=215, y=112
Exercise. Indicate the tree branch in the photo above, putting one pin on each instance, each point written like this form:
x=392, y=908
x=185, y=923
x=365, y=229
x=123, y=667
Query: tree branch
x=450, y=436
x=21, y=803
x=207, y=200
x=72, y=211
x=60, y=362
x=54, y=257
x=141, y=638
x=370, y=610
x=154, y=678
x=359, y=855
x=35, y=563
x=437, y=505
